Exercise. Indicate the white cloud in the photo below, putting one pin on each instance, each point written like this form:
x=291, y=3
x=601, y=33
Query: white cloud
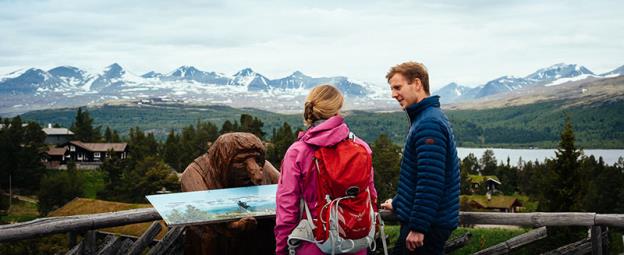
x=466, y=42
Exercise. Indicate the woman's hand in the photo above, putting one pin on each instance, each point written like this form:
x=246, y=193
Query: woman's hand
x=387, y=205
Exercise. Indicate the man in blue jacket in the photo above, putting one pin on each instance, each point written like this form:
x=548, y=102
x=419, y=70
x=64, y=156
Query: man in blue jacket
x=427, y=199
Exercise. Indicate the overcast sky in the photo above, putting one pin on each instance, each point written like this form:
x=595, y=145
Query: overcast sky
x=469, y=42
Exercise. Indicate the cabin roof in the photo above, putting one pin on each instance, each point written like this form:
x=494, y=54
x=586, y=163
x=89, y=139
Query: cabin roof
x=57, y=131
x=101, y=147
x=496, y=202
x=483, y=178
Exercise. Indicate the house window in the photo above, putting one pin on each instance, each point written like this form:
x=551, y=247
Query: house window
x=72, y=148
x=96, y=155
x=79, y=156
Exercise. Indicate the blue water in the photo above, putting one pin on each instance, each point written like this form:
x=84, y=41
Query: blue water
x=610, y=157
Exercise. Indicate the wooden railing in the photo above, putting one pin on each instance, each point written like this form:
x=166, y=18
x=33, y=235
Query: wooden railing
x=55, y=225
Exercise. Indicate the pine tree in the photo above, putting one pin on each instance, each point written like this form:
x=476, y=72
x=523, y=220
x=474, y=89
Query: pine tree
x=281, y=140
x=560, y=188
x=83, y=127
x=488, y=163
x=59, y=188
x=227, y=127
x=108, y=135
x=115, y=137
x=251, y=125
x=171, y=151
x=387, y=164
x=21, y=150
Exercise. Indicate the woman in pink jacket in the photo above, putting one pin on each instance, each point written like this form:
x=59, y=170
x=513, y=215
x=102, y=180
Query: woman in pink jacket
x=325, y=128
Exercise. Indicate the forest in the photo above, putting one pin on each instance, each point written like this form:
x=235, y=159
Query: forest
x=569, y=182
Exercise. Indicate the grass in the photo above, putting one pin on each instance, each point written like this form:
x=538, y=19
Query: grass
x=80, y=206
x=20, y=211
x=93, y=182
x=481, y=238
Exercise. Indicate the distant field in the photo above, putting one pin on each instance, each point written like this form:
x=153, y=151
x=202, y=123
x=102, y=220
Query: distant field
x=597, y=125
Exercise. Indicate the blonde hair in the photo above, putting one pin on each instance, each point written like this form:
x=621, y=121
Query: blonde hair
x=323, y=102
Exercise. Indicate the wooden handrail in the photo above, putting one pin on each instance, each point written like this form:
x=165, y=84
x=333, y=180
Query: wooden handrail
x=54, y=225
x=536, y=219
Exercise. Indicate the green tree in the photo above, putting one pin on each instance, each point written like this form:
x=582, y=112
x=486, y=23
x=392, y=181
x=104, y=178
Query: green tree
x=252, y=125
x=149, y=175
x=281, y=140
x=130, y=180
x=21, y=149
x=605, y=190
x=488, y=163
x=171, y=151
x=83, y=127
x=113, y=168
x=141, y=145
x=227, y=127
x=188, y=146
x=387, y=164
x=59, y=188
x=563, y=174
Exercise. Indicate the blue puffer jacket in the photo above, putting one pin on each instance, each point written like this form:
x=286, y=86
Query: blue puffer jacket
x=428, y=190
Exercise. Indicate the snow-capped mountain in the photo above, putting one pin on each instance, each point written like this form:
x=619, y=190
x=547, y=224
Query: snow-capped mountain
x=31, y=81
x=71, y=75
x=300, y=81
x=250, y=79
x=152, y=74
x=190, y=73
x=451, y=92
x=549, y=76
x=67, y=86
x=502, y=85
x=115, y=80
x=615, y=72
x=558, y=71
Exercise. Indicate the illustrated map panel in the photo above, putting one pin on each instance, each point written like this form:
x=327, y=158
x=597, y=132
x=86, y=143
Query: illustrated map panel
x=190, y=208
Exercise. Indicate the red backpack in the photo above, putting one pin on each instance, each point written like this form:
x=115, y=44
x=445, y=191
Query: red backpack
x=345, y=207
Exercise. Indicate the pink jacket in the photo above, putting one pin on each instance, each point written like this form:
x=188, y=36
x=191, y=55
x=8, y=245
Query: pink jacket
x=295, y=181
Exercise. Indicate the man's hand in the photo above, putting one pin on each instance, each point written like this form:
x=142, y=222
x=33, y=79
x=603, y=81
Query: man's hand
x=414, y=240
x=387, y=205
x=245, y=224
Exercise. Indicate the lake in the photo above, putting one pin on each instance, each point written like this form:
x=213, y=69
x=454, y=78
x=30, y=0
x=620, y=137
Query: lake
x=609, y=156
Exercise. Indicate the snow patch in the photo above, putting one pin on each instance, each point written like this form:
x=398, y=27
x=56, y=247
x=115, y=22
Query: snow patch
x=564, y=80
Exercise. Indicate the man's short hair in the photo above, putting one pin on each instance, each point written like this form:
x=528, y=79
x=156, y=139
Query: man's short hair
x=411, y=70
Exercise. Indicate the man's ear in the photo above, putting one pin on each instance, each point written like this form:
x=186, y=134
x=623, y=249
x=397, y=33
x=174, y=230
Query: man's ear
x=417, y=84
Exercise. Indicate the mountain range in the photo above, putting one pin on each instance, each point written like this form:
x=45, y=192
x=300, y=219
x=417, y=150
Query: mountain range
x=545, y=77
x=66, y=86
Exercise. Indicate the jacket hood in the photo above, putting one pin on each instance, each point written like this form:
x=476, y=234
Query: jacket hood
x=328, y=133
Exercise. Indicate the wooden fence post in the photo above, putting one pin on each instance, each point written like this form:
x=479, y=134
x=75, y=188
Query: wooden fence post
x=147, y=237
x=596, y=240
x=71, y=237
x=90, y=242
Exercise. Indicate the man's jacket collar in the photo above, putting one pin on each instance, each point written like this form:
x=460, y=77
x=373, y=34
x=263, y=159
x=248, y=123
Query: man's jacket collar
x=415, y=109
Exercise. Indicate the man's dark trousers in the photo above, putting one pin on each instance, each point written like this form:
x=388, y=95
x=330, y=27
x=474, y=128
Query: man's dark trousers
x=434, y=242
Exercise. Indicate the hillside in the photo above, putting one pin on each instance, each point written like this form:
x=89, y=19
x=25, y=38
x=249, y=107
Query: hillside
x=597, y=124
